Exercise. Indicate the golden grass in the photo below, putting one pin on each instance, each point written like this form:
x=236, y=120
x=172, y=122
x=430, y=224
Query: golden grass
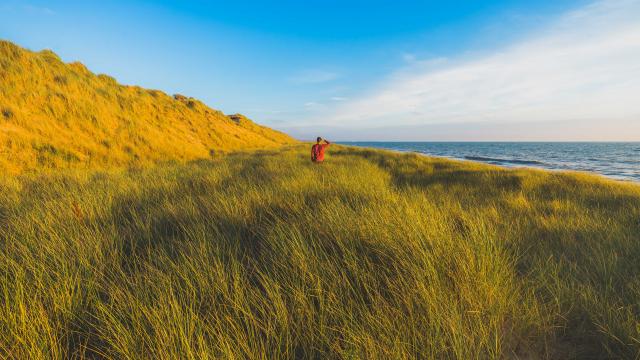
x=56, y=115
x=371, y=255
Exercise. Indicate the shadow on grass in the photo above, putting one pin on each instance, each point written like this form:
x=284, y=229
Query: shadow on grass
x=413, y=170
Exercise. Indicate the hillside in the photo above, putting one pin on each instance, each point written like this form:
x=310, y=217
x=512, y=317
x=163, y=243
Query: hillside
x=54, y=114
x=373, y=255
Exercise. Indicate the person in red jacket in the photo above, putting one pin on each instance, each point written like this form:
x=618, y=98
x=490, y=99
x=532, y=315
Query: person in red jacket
x=317, y=150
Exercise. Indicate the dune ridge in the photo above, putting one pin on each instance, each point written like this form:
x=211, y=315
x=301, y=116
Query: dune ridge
x=55, y=114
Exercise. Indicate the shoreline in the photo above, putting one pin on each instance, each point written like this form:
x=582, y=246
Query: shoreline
x=504, y=163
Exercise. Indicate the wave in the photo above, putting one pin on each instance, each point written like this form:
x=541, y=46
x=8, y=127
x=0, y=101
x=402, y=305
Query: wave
x=508, y=161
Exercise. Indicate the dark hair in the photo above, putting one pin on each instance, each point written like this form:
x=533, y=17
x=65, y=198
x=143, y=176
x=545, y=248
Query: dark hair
x=318, y=139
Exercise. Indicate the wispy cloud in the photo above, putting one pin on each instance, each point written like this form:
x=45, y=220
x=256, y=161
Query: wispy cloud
x=38, y=9
x=586, y=65
x=313, y=77
x=409, y=58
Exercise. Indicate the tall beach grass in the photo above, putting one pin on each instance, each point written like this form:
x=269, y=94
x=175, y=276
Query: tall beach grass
x=371, y=255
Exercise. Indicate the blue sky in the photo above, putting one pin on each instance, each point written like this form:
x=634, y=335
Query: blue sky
x=367, y=70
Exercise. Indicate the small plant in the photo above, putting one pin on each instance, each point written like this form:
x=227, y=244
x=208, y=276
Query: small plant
x=77, y=212
x=60, y=79
x=107, y=79
x=50, y=56
x=7, y=113
x=237, y=118
x=180, y=97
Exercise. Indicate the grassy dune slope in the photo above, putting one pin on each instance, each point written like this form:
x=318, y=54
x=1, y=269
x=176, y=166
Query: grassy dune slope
x=371, y=255
x=54, y=114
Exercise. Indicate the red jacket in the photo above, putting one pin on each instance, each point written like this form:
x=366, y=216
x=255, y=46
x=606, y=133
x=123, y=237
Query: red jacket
x=318, y=149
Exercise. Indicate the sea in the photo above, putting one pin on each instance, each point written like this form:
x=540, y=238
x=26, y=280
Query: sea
x=617, y=160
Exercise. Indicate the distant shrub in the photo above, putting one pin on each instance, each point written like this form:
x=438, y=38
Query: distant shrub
x=7, y=113
x=79, y=67
x=48, y=148
x=60, y=79
x=180, y=97
x=50, y=56
x=107, y=79
x=102, y=92
x=10, y=51
x=236, y=118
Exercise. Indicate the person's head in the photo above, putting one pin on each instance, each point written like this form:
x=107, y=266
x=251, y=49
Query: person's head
x=318, y=139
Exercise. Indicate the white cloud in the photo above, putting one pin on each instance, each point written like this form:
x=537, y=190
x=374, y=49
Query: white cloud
x=584, y=66
x=313, y=77
x=339, y=98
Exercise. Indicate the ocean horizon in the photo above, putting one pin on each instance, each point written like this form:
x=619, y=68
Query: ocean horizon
x=616, y=160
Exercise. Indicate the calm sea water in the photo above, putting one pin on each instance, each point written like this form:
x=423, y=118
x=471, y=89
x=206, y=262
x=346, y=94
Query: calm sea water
x=615, y=160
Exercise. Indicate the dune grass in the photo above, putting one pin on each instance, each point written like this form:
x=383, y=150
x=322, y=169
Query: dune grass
x=58, y=115
x=372, y=255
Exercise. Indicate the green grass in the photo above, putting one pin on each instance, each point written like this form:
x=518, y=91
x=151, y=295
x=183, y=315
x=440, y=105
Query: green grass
x=371, y=255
